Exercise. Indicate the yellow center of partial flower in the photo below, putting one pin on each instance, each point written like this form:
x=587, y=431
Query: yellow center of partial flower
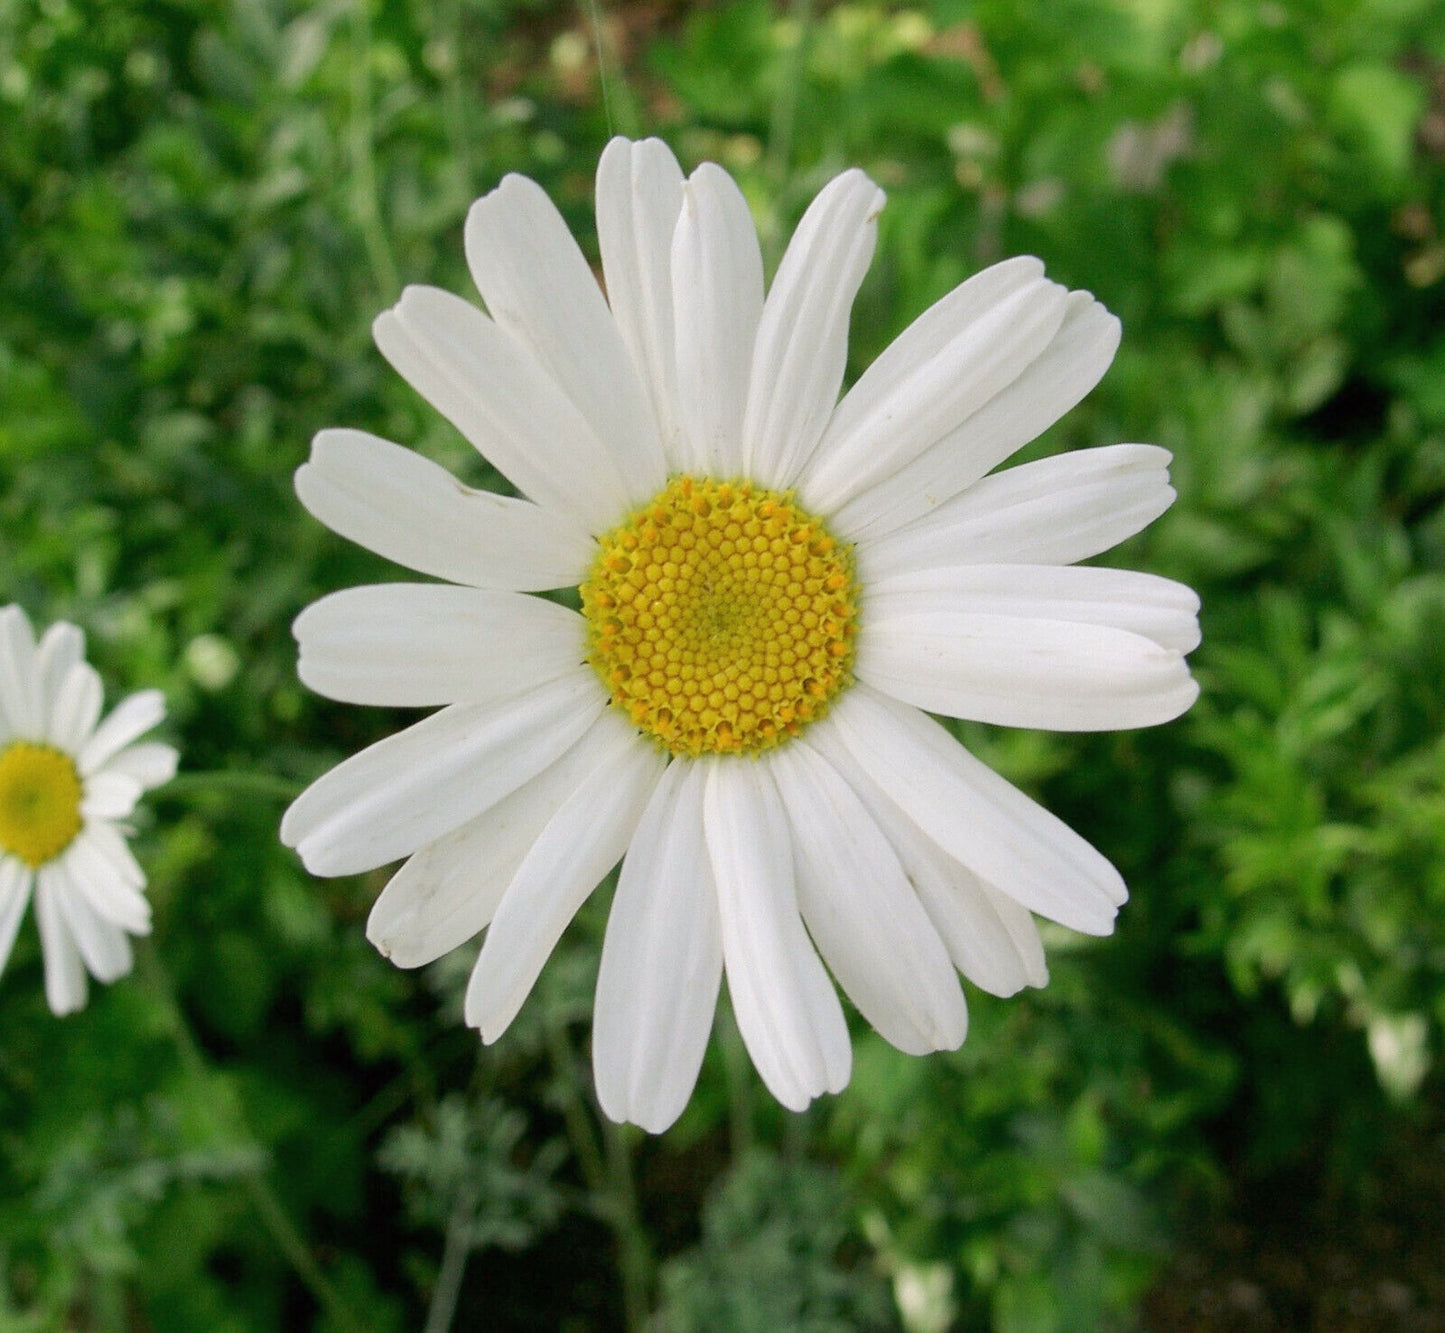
x=721, y=616
x=40, y=795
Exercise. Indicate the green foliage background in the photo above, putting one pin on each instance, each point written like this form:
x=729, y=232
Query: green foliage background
x=1230, y=1114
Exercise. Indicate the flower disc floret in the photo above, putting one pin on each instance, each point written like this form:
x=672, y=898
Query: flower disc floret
x=40, y=794
x=721, y=616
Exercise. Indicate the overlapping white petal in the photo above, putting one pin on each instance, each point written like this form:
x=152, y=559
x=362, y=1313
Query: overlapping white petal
x=802, y=335
x=978, y=818
x=785, y=1006
x=420, y=784
x=495, y=393
x=862, y=913
x=578, y=846
x=408, y=509
x=639, y=197
x=950, y=362
x=1051, y=512
x=717, y=296
x=539, y=288
x=1043, y=391
x=661, y=964
x=15, y=882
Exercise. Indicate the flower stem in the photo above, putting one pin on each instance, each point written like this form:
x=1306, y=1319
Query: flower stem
x=456, y=1249
x=263, y=1198
x=244, y=782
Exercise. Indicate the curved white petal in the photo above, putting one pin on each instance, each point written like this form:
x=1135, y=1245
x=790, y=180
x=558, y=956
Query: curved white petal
x=59, y=649
x=114, y=851
x=1059, y=377
x=1159, y=609
x=407, y=645
x=990, y=938
x=414, y=787
x=133, y=716
x=15, y=881
x=661, y=967
x=109, y=795
x=496, y=394
x=951, y=361
x=861, y=911
x=102, y=945
x=639, y=195
x=449, y=890
x=539, y=288
x=973, y=814
x=802, y=337
x=717, y=295
x=579, y=845
x=150, y=763
x=65, y=983
x=1052, y=512
x=21, y=707
x=74, y=708
x=407, y=509
x=1017, y=672
x=786, y=1008
x=111, y=889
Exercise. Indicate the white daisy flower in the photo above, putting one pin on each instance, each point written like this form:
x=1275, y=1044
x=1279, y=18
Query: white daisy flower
x=67, y=779
x=775, y=585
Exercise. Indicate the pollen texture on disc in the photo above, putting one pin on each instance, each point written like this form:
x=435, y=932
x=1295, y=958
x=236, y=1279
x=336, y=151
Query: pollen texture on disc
x=721, y=617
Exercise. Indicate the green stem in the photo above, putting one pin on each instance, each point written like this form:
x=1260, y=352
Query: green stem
x=785, y=102
x=366, y=199
x=263, y=1198
x=243, y=782
x=616, y=97
x=456, y=1249
x=609, y=1178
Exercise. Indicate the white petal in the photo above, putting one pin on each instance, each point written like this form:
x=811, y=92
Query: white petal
x=862, y=913
x=717, y=294
x=661, y=961
x=1052, y=512
x=405, y=645
x=493, y=391
x=103, y=946
x=59, y=649
x=990, y=938
x=404, y=507
x=639, y=195
x=110, y=795
x=15, y=881
x=112, y=889
x=74, y=708
x=414, y=787
x=21, y=710
x=1059, y=377
x=974, y=815
x=786, y=1008
x=65, y=983
x=1017, y=672
x=1156, y=608
x=941, y=370
x=150, y=763
x=538, y=287
x=802, y=339
x=131, y=717
x=449, y=890
x=107, y=842
x=579, y=845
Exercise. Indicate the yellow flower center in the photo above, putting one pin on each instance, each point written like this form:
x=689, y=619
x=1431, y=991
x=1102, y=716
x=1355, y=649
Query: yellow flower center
x=721, y=616
x=40, y=795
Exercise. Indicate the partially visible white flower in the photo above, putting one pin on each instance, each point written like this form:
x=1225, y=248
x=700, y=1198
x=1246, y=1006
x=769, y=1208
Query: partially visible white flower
x=775, y=584
x=67, y=778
